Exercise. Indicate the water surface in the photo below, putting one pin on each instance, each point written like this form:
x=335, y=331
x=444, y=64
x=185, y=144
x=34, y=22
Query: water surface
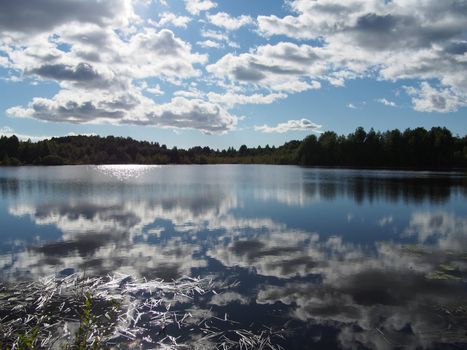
x=344, y=259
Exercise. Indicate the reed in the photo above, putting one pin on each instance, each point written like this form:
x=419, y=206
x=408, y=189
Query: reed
x=79, y=312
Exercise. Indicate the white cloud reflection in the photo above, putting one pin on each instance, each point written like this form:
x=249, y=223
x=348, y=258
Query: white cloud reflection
x=363, y=289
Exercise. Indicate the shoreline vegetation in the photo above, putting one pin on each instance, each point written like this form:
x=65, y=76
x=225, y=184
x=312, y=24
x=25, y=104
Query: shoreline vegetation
x=79, y=312
x=415, y=148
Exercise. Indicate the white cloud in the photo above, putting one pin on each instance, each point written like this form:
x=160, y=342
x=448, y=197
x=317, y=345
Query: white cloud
x=191, y=114
x=191, y=93
x=195, y=7
x=4, y=62
x=68, y=106
x=81, y=134
x=351, y=106
x=212, y=34
x=291, y=125
x=8, y=132
x=131, y=108
x=391, y=40
x=281, y=67
x=209, y=44
x=155, y=90
x=219, y=37
x=25, y=19
x=99, y=56
x=168, y=18
x=430, y=99
x=161, y=54
x=231, y=99
x=224, y=20
x=386, y=102
x=100, y=76
x=233, y=44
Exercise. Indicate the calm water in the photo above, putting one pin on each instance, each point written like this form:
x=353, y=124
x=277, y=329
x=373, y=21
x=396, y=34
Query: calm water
x=340, y=258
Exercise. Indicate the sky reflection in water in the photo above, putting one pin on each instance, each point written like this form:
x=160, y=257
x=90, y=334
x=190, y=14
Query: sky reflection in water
x=346, y=259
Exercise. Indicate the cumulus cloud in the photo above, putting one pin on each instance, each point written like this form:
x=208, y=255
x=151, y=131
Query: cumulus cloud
x=100, y=72
x=282, y=67
x=162, y=54
x=82, y=71
x=168, y=18
x=372, y=24
x=130, y=108
x=195, y=7
x=427, y=98
x=30, y=18
x=66, y=107
x=83, y=74
x=224, y=20
x=291, y=125
x=99, y=58
x=195, y=114
x=390, y=39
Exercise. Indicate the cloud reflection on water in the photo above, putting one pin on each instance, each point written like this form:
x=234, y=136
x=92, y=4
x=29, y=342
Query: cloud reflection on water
x=376, y=293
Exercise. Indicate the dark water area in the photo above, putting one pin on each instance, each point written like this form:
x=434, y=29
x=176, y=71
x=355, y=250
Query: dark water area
x=337, y=259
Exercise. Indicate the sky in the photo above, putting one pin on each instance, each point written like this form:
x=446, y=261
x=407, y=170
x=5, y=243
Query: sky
x=223, y=73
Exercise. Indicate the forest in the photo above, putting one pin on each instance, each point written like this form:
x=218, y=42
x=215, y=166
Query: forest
x=412, y=148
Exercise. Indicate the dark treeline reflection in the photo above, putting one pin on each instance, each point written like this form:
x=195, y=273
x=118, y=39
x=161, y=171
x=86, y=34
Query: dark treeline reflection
x=414, y=148
x=326, y=184
x=411, y=187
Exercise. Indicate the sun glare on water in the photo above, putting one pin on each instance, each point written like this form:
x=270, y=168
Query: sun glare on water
x=125, y=172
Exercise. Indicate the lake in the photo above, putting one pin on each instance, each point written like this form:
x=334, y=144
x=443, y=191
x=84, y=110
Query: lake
x=315, y=258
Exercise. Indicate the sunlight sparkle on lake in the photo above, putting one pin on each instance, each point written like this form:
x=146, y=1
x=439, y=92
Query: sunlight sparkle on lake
x=125, y=172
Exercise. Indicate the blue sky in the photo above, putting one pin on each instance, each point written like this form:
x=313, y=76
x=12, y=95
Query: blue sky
x=224, y=73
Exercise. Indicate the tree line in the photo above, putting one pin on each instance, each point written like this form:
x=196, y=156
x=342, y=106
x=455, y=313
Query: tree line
x=412, y=148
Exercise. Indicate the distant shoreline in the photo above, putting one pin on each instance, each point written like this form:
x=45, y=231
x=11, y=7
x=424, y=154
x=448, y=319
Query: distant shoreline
x=327, y=167
x=412, y=149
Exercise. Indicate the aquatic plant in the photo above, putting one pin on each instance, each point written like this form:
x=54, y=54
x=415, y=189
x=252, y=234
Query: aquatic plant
x=101, y=312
